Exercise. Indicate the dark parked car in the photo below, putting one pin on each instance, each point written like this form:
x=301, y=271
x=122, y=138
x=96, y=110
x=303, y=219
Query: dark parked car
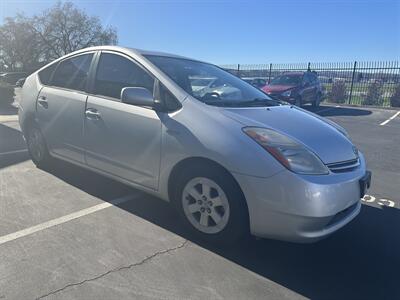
x=297, y=88
x=257, y=82
x=20, y=82
x=12, y=77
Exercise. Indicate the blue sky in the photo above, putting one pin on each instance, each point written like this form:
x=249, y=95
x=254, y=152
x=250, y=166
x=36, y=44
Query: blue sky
x=225, y=32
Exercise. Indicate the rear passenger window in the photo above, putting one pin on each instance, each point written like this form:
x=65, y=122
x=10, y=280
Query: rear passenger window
x=115, y=72
x=72, y=73
x=45, y=74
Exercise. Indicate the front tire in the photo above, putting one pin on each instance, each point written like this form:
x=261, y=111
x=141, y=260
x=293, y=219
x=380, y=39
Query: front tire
x=211, y=205
x=37, y=147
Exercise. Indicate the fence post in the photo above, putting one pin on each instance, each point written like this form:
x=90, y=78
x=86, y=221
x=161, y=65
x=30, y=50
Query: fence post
x=238, y=70
x=352, y=81
x=269, y=75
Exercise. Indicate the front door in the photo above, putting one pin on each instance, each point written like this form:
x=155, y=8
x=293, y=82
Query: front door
x=122, y=139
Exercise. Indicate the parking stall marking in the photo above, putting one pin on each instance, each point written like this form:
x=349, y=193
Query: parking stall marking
x=10, y=118
x=390, y=119
x=14, y=152
x=379, y=201
x=64, y=219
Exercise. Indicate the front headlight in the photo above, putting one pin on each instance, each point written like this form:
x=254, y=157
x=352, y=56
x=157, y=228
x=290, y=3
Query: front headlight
x=287, y=94
x=291, y=154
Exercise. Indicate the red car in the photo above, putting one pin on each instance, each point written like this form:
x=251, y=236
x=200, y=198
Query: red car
x=296, y=87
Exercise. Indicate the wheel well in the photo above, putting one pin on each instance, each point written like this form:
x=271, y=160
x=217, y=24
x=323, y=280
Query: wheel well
x=190, y=162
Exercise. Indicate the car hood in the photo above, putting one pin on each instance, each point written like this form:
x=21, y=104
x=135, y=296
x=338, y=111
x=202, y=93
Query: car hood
x=318, y=135
x=277, y=88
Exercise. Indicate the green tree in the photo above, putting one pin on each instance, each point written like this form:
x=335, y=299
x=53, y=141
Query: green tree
x=339, y=92
x=64, y=28
x=19, y=46
x=374, y=94
x=28, y=42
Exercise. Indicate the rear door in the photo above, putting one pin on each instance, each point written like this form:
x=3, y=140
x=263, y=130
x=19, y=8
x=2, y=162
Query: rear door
x=61, y=106
x=122, y=139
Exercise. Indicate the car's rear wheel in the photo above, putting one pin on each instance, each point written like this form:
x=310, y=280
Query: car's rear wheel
x=211, y=205
x=37, y=147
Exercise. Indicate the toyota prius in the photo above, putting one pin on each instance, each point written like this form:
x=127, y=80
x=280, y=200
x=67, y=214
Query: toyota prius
x=230, y=159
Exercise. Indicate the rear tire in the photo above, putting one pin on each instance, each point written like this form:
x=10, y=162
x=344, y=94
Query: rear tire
x=211, y=204
x=37, y=147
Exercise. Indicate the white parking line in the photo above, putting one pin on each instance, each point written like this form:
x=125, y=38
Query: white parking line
x=391, y=118
x=14, y=152
x=8, y=118
x=64, y=219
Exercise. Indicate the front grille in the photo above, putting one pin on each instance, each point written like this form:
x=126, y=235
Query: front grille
x=344, y=166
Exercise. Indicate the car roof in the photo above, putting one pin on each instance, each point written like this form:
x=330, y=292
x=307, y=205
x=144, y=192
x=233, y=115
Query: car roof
x=132, y=50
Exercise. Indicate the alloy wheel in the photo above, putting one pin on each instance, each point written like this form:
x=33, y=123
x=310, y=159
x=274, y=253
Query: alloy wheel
x=205, y=205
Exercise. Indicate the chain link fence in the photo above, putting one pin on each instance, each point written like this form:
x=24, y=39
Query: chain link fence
x=358, y=83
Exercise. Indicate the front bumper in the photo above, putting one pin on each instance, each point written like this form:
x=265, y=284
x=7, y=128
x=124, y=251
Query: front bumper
x=289, y=99
x=302, y=208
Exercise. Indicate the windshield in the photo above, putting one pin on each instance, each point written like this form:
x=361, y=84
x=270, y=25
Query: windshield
x=209, y=83
x=287, y=80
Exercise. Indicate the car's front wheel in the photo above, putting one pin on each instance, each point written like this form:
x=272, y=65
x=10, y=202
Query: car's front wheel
x=212, y=205
x=37, y=147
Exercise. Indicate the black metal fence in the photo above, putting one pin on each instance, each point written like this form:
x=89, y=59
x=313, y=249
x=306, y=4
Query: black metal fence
x=358, y=83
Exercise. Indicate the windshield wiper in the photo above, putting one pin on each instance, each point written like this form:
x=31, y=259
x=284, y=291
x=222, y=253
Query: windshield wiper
x=254, y=102
x=263, y=102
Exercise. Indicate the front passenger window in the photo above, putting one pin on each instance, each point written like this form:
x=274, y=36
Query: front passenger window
x=115, y=72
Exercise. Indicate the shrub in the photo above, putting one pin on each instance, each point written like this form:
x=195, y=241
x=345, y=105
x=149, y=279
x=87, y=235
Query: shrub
x=6, y=94
x=395, y=98
x=338, y=93
x=374, y=94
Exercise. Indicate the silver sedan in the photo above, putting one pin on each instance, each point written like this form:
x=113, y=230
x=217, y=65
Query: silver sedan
x=229, y=158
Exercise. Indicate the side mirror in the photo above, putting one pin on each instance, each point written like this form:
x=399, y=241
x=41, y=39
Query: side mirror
x=137, y=96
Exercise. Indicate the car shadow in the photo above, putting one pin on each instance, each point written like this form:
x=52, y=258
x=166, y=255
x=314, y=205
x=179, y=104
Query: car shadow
x=12, y=146
x=361, y=261
x=331, y=111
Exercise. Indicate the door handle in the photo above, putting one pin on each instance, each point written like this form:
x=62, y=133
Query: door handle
x=42, y=100
x=92, y=114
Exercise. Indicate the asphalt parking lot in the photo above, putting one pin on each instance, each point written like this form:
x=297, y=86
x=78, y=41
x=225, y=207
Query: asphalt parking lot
x=67, y=233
